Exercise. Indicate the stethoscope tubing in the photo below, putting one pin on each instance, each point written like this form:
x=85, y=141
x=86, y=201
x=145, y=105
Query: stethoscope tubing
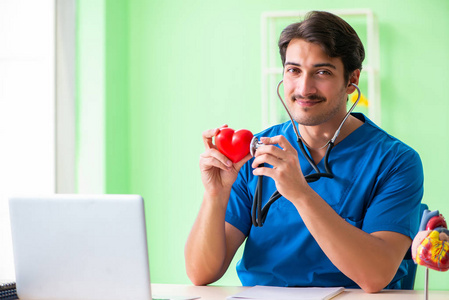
x=259, y=213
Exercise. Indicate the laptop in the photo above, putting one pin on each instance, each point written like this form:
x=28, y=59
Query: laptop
x=80, y=247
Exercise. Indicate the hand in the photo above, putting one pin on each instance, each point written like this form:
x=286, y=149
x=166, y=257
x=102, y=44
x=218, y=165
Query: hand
x=286, y=171
x=430, y=248
x=218, y=173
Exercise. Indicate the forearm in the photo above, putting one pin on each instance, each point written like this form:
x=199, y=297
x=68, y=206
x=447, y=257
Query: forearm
x=370, y=260
x=212, y=242
x=205, y=250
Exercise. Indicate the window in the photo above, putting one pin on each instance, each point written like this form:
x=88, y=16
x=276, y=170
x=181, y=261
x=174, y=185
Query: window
x=27, y=108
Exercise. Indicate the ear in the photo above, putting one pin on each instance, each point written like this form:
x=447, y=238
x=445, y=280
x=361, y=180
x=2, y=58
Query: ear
x=353, y=79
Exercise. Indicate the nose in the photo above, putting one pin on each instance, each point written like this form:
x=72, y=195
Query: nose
x=305, y=86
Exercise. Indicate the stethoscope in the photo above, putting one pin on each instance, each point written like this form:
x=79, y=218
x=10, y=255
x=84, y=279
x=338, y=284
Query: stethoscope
x=259, y=213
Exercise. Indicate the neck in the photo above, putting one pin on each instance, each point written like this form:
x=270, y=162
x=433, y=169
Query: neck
x=317, y=137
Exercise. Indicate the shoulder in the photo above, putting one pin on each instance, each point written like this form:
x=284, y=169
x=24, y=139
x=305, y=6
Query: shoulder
x=383, y=152
x=380, y=140
x=395, y=161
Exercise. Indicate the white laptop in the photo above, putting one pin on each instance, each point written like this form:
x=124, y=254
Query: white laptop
x=80, y=247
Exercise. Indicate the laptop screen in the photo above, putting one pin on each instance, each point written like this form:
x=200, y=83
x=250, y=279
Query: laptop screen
x=80, y=247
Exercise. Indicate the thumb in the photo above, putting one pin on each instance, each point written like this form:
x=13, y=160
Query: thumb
x=239, y=164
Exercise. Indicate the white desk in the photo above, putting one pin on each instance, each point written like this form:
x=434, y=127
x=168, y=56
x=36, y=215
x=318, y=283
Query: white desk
x=218, y=292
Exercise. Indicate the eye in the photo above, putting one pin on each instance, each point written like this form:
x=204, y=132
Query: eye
x=324, y=72
x=292, y=70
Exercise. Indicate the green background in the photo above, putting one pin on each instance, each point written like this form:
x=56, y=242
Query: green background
x=175, y=68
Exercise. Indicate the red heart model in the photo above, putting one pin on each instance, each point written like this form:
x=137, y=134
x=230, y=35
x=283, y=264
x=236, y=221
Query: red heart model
x=233, y=144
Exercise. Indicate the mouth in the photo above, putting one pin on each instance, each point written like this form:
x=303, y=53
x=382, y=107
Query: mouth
x=308, y=101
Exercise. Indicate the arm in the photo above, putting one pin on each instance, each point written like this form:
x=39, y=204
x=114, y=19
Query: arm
x=371, y=260
x=212, y=242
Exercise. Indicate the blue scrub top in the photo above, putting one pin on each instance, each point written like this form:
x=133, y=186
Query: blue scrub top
x=378, y=186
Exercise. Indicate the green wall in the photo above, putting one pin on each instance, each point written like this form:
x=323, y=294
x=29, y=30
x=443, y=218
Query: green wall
x=176, y=68
x=118, y=135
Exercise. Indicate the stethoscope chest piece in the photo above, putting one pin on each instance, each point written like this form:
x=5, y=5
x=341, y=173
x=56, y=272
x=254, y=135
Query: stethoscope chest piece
x=254, y=145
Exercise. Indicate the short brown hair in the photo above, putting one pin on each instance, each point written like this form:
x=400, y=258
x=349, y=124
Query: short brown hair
x=336, y=37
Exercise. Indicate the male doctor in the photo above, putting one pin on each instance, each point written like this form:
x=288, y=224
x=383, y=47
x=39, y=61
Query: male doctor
x=352, y=230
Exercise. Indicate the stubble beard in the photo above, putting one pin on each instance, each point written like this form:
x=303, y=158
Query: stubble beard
x=303, y=117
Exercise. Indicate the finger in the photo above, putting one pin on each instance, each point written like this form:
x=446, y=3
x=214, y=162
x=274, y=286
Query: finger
x=239, y=164
x=207, y=137
x=270, y=150
x=207, y=163
x=280, y=140
x=265, y=171
x=267, y=159
x=215, y=158
x=444, y=237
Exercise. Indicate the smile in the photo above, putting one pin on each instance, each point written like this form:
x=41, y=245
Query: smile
x=307, y=102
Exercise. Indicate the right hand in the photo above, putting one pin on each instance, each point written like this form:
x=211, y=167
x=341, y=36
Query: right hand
x=218, y=173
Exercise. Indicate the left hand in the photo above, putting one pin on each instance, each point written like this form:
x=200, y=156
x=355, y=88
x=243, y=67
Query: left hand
x=286, y=171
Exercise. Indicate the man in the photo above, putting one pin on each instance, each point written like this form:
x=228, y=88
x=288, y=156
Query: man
x=351, y=230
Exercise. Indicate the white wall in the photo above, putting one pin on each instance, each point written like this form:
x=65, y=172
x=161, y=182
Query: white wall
x=90, y=152
x=27, y=108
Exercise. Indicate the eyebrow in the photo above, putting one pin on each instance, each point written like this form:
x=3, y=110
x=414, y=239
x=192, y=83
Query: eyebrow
x=315, y=65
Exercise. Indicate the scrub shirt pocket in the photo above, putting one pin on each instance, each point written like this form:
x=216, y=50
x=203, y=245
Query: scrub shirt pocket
x=354, y=222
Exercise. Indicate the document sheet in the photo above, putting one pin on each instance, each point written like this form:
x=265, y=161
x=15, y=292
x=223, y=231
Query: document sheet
x=287, y=293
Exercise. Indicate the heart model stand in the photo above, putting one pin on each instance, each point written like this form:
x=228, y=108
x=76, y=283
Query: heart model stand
x=430, y=247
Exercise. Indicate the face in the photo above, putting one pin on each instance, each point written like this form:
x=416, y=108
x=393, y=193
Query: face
x=314, y=85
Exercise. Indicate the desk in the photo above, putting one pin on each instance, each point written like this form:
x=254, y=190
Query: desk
x=220, y=293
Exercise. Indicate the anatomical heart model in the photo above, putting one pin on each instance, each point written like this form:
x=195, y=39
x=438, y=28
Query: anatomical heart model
x=430, y=247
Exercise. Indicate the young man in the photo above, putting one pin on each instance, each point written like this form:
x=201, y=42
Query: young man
x=351, y=230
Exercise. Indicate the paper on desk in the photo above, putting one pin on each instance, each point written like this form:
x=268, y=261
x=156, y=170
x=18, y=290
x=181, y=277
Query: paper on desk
x=175, y=298
x=288, y=293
